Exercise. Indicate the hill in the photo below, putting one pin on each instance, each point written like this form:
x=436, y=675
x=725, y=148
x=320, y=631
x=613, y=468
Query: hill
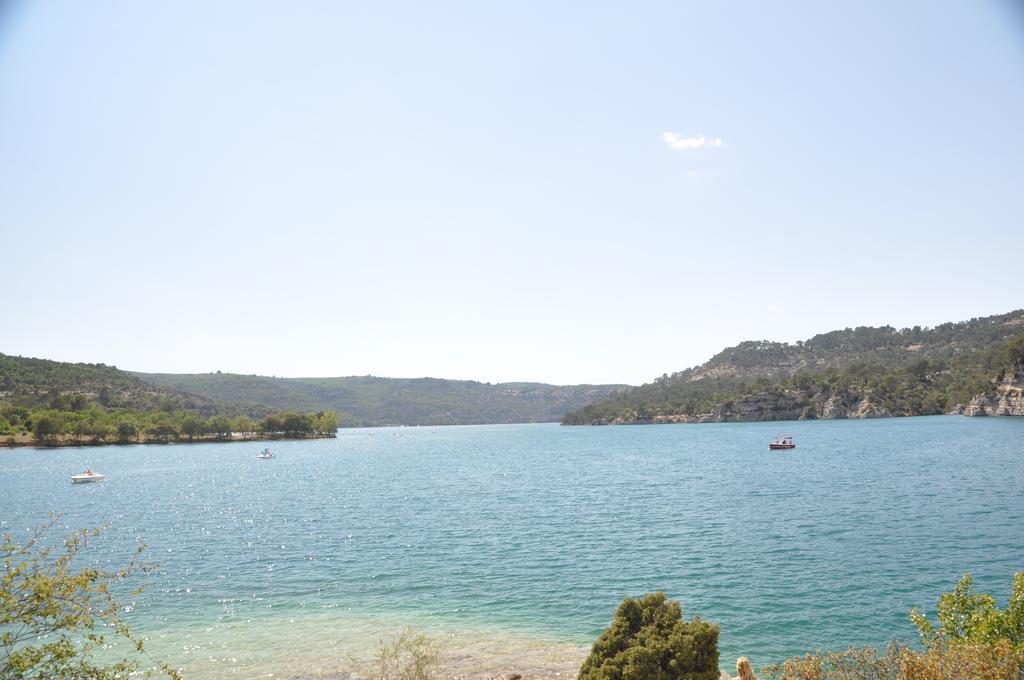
x=42, y=383
x=55, y=403
x=369, y=400
x=858, y=372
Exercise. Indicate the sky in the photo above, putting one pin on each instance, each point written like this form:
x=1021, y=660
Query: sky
x=562, y=192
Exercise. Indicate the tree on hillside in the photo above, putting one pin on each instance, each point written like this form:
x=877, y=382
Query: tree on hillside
x=649, y=640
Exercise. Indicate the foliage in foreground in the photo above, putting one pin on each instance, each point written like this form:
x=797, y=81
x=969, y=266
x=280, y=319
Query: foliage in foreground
x=962, y=662
x=407, y=656
x=973, y=639
x=966, y=617
x=649, y=640
x=53, y=612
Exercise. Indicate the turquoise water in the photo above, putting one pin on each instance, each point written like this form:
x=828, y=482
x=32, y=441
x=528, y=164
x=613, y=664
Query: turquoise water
x=539, y=530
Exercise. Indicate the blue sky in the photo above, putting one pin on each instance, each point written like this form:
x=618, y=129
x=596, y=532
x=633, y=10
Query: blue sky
x=565, y=192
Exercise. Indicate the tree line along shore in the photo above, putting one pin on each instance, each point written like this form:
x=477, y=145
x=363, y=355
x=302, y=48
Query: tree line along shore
x=82, y=423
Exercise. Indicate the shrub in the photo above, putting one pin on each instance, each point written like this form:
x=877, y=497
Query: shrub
x=963, y=662
x=649, y=640
x=47, y=427
x=56, y=616
x=407, y=656
x=973, y=639
x=968, y=617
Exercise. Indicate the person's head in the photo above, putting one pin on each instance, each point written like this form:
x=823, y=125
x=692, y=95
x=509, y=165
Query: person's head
x=743, y=669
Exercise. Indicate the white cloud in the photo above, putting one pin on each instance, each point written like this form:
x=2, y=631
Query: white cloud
x=680, y=143
x=772, y=309
x=692, y=173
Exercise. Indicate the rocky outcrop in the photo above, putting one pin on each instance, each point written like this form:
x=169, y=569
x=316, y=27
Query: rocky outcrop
x=867, y=409
x=773, y=405
x=834, y=407
x=1006, y=400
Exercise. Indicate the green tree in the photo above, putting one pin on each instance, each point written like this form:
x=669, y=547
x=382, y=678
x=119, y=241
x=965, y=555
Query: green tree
x=54, y=616
x=326, y=423
x=243, y=424
x=649, y=640
x=83, y=428
x=192, y=426
x=101, y=432
x=221, y=426
x=163, y=430
x=127, y=431
x=47, y=427
x=271, y=424
x=297, y=424
x=968, y=617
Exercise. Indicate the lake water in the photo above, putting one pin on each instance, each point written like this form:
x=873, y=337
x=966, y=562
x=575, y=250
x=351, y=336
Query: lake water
x=517, y=542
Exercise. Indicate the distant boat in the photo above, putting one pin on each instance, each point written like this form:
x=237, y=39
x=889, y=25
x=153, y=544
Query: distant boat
x=783, y=441
x=87, y=476
x=266, y=455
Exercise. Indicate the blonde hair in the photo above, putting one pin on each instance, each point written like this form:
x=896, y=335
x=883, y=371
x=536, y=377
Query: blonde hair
x=743, y=669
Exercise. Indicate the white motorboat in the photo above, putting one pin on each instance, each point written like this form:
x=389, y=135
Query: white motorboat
x=266, y=455
x=87, y=476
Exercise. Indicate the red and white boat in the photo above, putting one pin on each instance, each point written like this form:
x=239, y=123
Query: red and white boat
x=783, y=441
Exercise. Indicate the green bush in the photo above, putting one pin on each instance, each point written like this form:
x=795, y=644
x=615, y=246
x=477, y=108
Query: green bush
x=973, y=639
x=407, y=656
x=938, y=662
x=57, y=619
x=968, y=617
x=649, y=640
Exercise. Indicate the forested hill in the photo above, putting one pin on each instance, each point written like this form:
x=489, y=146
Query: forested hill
x=54, y=403
x=368, y=400
x=855, y=372
x=42, y=383
x=30, y=383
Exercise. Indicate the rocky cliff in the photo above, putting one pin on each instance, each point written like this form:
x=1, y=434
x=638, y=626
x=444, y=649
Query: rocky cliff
x=852, y=373
x=1006, y=400
x=773, y=405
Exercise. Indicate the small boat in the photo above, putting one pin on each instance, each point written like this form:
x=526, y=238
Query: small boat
x=266, y=455
x=87, y=476
x=783, y=441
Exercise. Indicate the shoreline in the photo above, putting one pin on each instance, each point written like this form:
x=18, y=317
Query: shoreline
x=28, y=442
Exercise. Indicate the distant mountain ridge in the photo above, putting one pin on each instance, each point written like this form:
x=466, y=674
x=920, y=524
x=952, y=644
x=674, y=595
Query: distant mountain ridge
x=371, y=401
x=854, y=372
